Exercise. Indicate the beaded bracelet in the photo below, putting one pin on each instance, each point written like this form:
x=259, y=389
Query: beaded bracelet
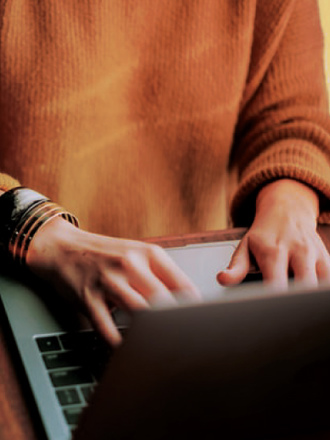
x=22, y=213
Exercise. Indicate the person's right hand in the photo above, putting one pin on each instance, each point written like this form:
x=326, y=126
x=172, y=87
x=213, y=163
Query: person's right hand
x=99, y=272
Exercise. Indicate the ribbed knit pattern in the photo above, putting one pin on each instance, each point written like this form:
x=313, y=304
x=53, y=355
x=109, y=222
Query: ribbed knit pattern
x=134, y=114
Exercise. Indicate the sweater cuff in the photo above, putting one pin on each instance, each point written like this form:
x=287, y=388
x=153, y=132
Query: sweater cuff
x=295, y=159
x=7, y=182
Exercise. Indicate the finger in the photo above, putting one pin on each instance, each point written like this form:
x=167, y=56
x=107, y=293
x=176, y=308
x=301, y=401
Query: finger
x=118, y=291
x=323, y=263
x=303, y=266
x=273, y=264
x=172, y=276
x=238, y=266
x=140, y=278
x=323, y=268
x=102, y=321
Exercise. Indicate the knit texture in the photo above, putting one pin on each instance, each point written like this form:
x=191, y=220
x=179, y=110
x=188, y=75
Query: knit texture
x=136, y=115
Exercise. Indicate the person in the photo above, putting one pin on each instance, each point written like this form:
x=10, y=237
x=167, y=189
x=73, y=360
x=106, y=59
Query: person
x=140, y=118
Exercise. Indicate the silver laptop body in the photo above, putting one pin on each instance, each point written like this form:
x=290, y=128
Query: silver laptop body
x=38, y=317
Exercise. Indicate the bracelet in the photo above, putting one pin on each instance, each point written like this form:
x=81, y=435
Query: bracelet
x=13, y=204
x=22, y=213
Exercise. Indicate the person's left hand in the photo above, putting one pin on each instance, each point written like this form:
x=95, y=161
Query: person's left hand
x=282, y=239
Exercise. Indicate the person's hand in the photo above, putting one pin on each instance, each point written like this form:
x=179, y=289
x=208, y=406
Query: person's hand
x=283, y=238
x=99, y=272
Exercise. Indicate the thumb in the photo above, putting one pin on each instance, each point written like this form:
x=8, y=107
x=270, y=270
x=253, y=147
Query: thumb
x=238, y=266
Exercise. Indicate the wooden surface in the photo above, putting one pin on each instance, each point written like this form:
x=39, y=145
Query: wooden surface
x=16, y=422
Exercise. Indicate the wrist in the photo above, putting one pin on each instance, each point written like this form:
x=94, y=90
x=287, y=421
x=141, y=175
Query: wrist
x=49, y=243
x=288, y=194
x=23, y=213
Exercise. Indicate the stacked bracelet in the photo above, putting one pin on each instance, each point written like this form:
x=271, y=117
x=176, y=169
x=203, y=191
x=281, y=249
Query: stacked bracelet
x=22, y=213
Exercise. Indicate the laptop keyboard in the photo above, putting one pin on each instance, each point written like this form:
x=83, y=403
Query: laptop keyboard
x=75, y=363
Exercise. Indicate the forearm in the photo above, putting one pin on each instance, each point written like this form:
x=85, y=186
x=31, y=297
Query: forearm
x=284, y=129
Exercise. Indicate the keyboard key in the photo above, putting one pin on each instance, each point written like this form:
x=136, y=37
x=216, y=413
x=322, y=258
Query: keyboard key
x=68, y=396
x=72, y=415
x=48, y=343
x=61, y=360
x=87, y=391
x=64, y=378
x=85, y=340
x=71, y=341
x=92, y=340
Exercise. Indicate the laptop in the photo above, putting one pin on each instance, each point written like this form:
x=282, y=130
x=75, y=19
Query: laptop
x=255, y=366
x=62, y=357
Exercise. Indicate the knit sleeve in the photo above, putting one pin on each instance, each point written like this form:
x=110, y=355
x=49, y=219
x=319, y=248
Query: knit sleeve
x=284, y=125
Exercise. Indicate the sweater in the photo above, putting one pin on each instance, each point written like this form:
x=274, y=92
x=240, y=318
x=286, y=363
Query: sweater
x=161, y=117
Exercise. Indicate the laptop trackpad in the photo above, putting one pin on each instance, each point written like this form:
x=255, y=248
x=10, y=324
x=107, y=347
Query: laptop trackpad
x=202, y=262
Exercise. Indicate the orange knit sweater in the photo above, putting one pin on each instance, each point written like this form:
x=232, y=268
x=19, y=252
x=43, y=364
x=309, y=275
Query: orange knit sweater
x=132, y=114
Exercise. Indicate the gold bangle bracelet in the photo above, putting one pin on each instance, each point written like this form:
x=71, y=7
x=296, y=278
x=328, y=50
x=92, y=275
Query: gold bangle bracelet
x=21, y=229
x=26, y=230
